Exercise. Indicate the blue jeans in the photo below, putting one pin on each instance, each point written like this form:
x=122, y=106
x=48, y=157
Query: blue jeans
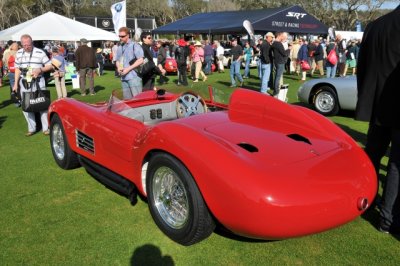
x=247, y=67
x=330, y=70
x=131, y=87
x=207, y=68
x=279, y=72
x=259, y=70
x=235, y=71
x=265, y=73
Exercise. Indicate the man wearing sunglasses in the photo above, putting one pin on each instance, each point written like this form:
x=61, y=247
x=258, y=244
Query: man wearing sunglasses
x=129, y=56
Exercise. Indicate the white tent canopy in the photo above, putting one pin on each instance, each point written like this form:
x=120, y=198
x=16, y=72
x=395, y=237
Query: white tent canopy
x=51, y=26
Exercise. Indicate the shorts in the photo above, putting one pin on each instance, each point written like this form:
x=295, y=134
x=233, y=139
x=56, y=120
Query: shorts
x=351, y=63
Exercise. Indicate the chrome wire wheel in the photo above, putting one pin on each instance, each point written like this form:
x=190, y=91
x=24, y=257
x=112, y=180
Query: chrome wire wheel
x=58, y=141
x=170, y=198
x=325, y=102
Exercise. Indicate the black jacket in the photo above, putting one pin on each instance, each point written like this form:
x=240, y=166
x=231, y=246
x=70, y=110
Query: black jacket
x=280, y=54
x=319, y=53
x=378, y=72
x=265, y=53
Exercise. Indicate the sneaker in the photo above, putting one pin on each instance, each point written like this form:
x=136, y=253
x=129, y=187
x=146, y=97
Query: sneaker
x=28, y=134
x=233, y=86
x=46, y=133
x=196, y=80
x=205, y=78
x=93, y=93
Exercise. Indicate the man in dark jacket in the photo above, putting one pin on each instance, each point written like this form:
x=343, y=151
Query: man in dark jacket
x=378, y=81
x=149, y=79
x=85, y=65
x=280, y=57
x=181, y=56
x=319, y=57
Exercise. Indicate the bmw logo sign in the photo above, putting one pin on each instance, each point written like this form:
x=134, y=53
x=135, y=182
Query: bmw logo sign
x=118, y=7
x=105, y=23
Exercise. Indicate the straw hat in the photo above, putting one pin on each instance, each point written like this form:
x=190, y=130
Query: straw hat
x=56, y=63
x=99, y=50
x=197, y=43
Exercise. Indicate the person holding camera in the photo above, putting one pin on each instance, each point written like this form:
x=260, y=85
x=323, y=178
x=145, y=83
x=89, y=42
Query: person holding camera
x=129, y=56
x=30, y=64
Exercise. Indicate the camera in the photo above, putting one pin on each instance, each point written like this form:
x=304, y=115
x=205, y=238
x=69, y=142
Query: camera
x=24, y=71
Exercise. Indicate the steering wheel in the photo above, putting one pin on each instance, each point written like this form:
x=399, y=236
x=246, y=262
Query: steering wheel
x=189, y=104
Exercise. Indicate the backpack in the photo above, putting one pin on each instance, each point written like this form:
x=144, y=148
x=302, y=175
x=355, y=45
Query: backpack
x=180, y=55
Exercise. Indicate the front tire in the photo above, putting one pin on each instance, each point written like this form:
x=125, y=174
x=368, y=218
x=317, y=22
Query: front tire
x=175, y=202
x=326, y=102
x=62, y=153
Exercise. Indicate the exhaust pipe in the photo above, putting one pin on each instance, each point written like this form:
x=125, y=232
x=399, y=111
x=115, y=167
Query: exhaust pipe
x=362, y=204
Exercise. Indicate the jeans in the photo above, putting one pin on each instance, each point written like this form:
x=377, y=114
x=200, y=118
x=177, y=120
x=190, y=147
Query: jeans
x=265, y=73
x=259, y=70
x=131, y=87
x=279, y=73
x=247, y=67
x=208, y=61
x=235, y=71
x=182, y=75
x=330, y=70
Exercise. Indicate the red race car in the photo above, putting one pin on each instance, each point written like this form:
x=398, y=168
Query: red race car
x=171, y=65
x=259, y=167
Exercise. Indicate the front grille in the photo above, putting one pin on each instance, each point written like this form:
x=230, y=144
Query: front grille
x=84, y=142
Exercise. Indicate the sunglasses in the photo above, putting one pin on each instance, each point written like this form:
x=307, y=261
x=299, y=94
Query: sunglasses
x=122, y=36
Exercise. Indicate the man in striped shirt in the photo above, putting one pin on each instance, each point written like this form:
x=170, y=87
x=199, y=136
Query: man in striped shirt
x=31, y=63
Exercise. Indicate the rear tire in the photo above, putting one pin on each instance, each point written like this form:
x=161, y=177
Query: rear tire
x=62, y=153
x=175, y=202
x=325, y=101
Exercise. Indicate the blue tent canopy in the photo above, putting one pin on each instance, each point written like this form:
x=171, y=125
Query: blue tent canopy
x=293, y=19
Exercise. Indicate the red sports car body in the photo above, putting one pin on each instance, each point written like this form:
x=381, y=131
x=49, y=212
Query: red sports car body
x=260, y=167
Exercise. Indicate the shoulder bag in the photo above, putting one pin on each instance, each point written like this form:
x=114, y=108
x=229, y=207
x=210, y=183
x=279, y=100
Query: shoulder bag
x=35, y=101
x=332, y=56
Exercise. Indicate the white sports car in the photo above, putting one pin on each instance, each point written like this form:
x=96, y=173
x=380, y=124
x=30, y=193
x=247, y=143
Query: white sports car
x=329, y=95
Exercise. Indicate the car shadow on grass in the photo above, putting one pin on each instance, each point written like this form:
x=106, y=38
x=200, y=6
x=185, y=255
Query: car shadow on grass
x=150, y=255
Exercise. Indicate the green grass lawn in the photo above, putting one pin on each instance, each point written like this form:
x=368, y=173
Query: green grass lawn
x=50, y=216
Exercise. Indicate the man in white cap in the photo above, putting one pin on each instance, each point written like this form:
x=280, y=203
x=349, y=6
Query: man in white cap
x=266, y=61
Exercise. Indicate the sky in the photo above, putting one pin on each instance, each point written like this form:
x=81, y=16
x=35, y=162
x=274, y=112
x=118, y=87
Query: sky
x=390, y=4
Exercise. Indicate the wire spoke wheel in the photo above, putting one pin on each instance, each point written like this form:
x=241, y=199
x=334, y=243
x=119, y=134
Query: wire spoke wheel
x=175, y=202
x=170, y=197
x=57, y=142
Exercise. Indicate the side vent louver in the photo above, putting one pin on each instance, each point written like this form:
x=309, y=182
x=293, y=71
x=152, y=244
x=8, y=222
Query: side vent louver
x=84, y=142
x=298, y=137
